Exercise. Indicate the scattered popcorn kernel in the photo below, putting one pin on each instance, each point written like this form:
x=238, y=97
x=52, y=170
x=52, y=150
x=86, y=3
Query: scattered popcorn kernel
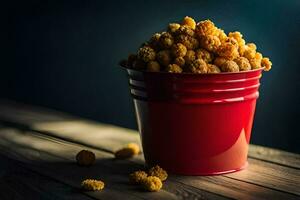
x=228, y=51
x=190, y=56
x=137, y=176
x=205, y=28
x=146, y=54
x=85, y=158
x=173, y=27
x=178, y=50
x=153, y=66
x=125, y=153
x=179, y=61
x=158, y=172
x=188, y=21
x=198, y=66
x=213, y=69
x=128, y=151
x=166, y=40
x=204, y=55
x=219, y=61
x=266, y=63
x=229, y=66
x=243, y=63
x=164, y=57
x=152, y=183
x=135, y=147
x=173, y=68
x=210, y=43
x=92, y=185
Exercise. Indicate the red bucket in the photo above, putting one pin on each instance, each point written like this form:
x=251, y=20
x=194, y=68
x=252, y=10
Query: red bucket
x=195, y=124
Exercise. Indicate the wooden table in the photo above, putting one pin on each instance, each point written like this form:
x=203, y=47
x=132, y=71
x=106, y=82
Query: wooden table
x=38, y=146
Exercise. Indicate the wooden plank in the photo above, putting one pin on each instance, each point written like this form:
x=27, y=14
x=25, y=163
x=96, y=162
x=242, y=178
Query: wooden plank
x=275, y=156
x=56, y=159
x=41, y=150
x=17, y=182
x=99, y=135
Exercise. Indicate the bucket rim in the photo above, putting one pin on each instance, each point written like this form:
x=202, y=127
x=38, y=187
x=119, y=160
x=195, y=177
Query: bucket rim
x=192, y=74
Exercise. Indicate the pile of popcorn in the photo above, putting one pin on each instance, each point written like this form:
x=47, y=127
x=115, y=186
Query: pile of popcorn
x=197, y=48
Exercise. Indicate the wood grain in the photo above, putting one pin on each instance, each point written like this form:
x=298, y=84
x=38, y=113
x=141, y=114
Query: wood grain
x=56, y=159
x=18, y=182
x=40, y=151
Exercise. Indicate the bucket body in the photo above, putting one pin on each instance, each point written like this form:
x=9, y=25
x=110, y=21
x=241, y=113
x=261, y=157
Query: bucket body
x=195, y=124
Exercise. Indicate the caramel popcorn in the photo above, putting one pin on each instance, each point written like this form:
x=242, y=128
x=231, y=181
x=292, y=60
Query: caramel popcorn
x=205, y=28
x=201, y=47
x=190, y=22
x=154, y=41
x=128, y=151
x=158, y=172
x=228, y=51
x=185, y=30
x=233, y=41
x=210, y=43
x=243, y=63
x=85, y=158
x=219, y=61
x=137, y=176
x=173, y=68
x=92, y=185
x=238, y=37
x=179, y=61
x=266, y=63
x=190, y=56
x=198, y=66
x=166, y=40
x=204, y=55
x=153, y=66
x=221, y=35
x=164, y=57
x=229, y=66
x=213, y=69
x=178, y=50
x=188, y=41
x=173, y=27
x=146, y=54
x=152, y=183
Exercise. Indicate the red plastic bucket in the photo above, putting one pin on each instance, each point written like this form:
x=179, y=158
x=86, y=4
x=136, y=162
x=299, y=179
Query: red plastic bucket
x=195, y=124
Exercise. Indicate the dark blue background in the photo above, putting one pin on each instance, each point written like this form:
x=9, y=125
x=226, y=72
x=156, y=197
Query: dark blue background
x=64, y=55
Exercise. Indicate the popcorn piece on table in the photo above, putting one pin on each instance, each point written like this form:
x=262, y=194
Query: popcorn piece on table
x=128, y=151
x=152, y=184
x=158, y=172
x=137, y=176
x=92, y=185
x=85, y=158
